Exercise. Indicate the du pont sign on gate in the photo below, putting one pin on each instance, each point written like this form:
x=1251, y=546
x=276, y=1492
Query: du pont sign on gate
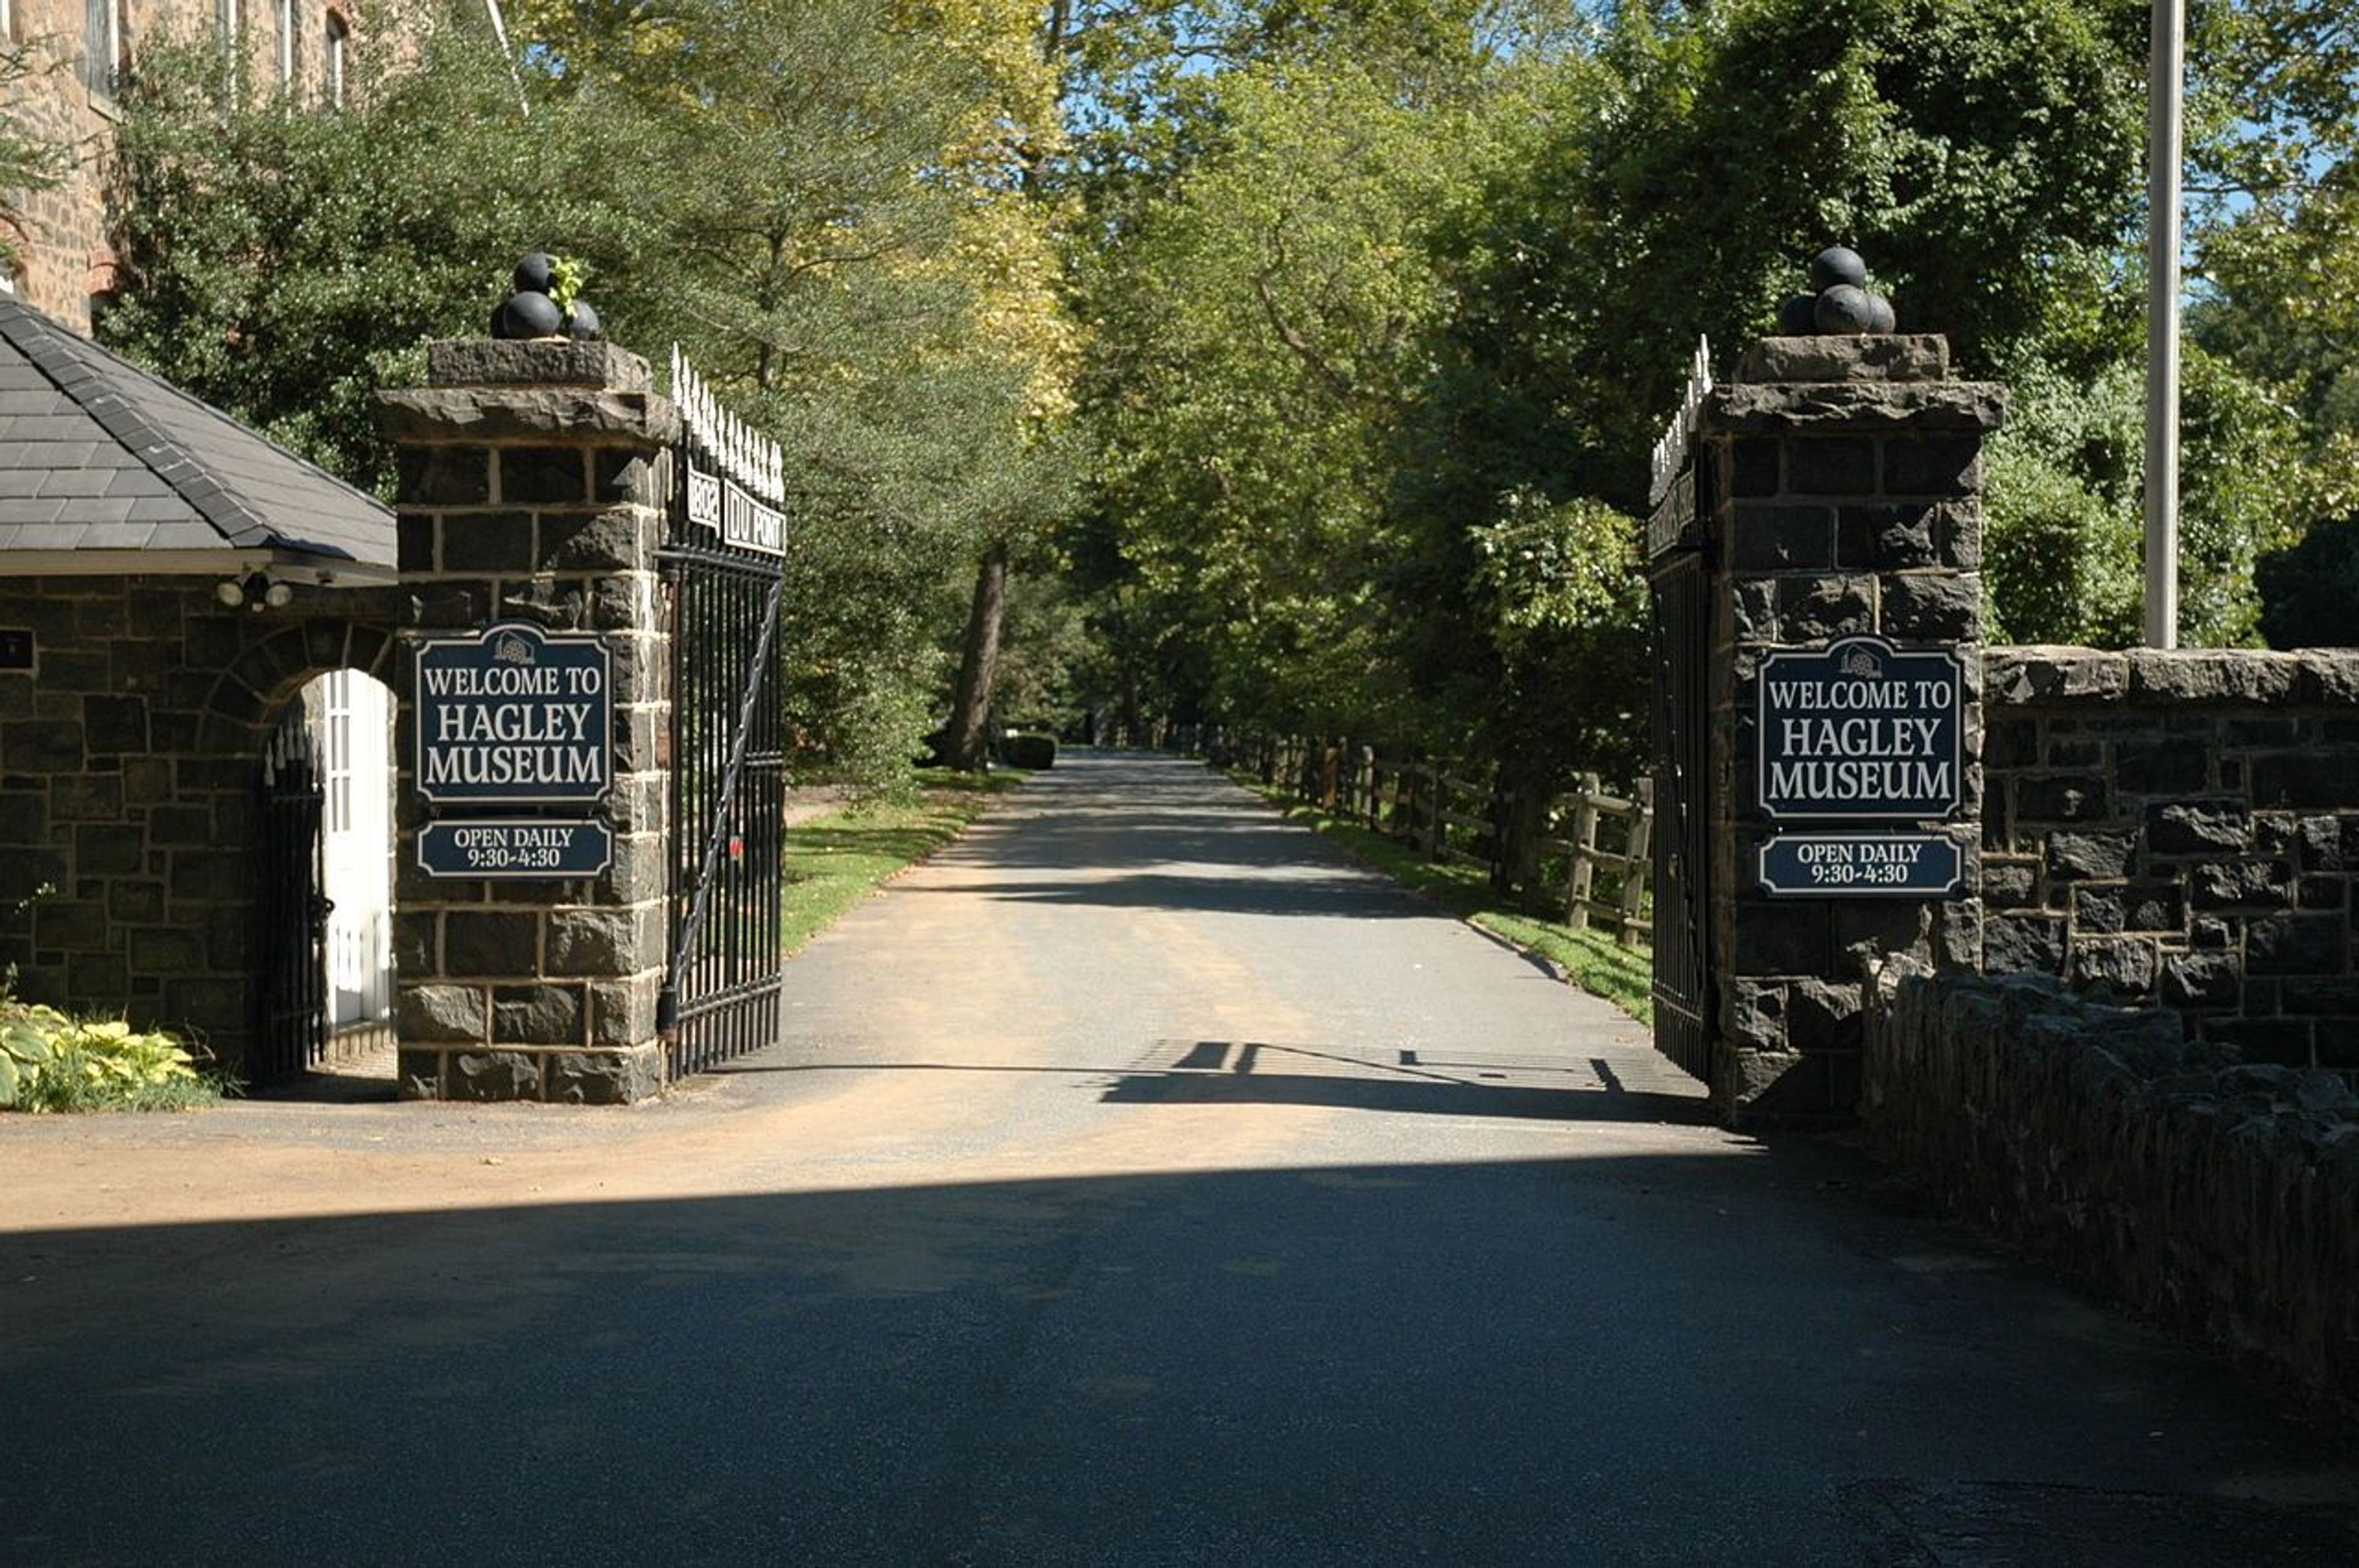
x=514, y=716
x=1861, y=733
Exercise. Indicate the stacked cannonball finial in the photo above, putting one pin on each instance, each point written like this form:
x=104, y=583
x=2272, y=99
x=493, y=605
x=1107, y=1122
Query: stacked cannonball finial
x=1839, y=304
x=533, y=312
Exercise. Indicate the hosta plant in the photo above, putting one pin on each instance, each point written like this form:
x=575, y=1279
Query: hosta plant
x=49, y=1061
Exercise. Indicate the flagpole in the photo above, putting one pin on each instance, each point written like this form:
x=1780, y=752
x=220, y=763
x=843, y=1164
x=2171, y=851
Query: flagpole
x=2165, y=89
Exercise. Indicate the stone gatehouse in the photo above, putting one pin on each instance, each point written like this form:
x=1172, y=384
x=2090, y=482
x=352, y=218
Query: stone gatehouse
x=169, y=583
x=134, y=699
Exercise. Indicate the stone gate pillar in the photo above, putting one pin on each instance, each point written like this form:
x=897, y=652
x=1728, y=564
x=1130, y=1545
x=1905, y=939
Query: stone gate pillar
x=530, y=918
x=1845, y=519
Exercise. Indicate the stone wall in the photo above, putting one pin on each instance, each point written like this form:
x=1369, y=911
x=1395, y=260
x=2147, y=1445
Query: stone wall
x=2180, y=828
x=1845, y=480
x=533, y=478
x=2220, y=1198
x=130, y=760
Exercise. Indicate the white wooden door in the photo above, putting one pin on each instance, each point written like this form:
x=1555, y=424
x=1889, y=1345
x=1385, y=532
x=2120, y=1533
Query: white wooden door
x=358, y=773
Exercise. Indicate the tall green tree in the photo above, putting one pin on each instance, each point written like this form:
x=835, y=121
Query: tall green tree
x=1250, y=338
x=790, y=190
x=29, y=162
x=2276, y=227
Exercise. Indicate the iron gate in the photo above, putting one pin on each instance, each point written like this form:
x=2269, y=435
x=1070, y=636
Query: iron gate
x=291, y=905
x=724, y=580
x=1678, y=577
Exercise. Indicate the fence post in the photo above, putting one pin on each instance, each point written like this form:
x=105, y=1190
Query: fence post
x=1437, y=826
x=1635, y=869
x=1581, y=871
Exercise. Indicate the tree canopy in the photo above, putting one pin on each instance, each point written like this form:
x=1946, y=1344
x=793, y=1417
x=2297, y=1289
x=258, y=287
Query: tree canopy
x=1305, y=354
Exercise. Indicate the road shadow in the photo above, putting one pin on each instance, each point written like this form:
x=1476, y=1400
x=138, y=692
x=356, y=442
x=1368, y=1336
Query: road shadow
x=1222, y=1072
x=1248, y=1073
x=1711, y=1356
x=1353, y=895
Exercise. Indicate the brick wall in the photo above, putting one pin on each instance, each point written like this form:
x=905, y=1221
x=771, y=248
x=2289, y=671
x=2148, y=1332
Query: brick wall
x=2180, y=828
x=66, y=255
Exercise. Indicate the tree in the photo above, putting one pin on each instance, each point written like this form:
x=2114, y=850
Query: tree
x=2276, y=212
x=29, y=162
x=285, y=263
x=1250, y=338
x=795, y=192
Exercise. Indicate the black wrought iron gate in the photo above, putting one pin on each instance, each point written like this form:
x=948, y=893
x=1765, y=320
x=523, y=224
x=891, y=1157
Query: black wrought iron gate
x=723, y=581
x=291, y=905
x=1678, y=578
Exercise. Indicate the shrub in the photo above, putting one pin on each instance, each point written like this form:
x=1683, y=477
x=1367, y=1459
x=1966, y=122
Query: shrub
x=50, y=1061
x=2307, y=589
x=1031, y=750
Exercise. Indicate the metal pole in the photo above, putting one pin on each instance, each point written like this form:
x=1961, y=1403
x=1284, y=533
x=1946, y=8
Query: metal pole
x=2165, y=92
x=508, y=56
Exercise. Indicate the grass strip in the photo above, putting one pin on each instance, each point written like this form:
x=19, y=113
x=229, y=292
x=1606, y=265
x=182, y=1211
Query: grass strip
x=835, y=862
x=1596, y=962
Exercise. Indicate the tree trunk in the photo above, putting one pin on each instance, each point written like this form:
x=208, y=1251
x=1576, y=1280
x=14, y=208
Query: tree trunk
x=970, y=738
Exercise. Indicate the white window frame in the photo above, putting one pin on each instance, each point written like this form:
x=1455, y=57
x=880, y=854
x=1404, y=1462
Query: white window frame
x=336, y=42
x=290, y=19
x=102, y=82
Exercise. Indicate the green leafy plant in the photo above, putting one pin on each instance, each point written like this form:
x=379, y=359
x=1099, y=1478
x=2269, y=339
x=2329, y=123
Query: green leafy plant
x=50, y=1061
x=566, y=277
x=24, y=1051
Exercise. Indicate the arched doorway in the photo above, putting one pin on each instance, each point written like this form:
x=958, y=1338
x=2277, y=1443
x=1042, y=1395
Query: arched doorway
x=324, y=904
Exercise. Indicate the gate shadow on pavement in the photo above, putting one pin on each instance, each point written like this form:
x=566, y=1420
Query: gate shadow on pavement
x=1116, y=839
x=1715, y=1355
x=1415, y=1099
x=1222, y=1072
x=1355, y=895
x=1429, y=1096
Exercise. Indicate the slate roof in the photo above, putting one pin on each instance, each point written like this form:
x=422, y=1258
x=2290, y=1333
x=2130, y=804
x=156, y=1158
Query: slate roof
x=97, y=454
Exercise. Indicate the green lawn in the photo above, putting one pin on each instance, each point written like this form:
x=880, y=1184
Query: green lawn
x=1623, y=976
x=835, y=862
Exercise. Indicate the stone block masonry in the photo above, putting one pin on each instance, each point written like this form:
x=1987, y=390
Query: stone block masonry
x=1845, y=500
x=2181, y=829
x=2219, y=1197
x=533, y=481
x=128, y=759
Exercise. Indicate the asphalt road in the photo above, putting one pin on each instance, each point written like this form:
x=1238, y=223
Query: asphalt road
x=1136, y=1183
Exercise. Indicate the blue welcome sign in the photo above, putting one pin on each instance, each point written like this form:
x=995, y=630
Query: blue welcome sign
x=515, y=715
x=1861, y=731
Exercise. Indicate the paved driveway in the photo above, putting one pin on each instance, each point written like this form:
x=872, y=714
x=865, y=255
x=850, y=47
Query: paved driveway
x=1138, y=1181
